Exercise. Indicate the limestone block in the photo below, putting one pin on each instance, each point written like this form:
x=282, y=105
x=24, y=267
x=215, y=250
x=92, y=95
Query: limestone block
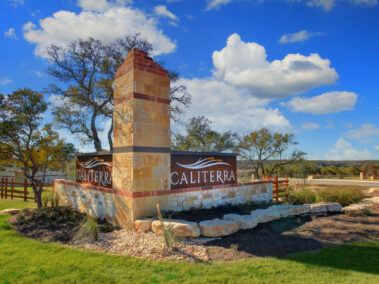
x=218, y=228
x=373, y=190
x=12, y=211
x=246, y=221
x=370, y=200
x=180, y=228
x=320, y=207
x=356, y=208
x=334, y=207
x=266, y=215
x=142, y=226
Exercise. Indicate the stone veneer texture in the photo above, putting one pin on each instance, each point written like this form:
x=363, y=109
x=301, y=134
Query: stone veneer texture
x=118, y=207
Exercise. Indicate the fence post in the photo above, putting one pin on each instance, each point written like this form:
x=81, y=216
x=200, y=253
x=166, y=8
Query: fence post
x=12, y=188
x=6, y=188
x=2, y=187
x=276, y=189
x=25, y=190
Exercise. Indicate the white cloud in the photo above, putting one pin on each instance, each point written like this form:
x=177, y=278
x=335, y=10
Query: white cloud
x=215, y=4
x=366, y=133
x=5, y=81
x=161, y=10
x=348, y=125
x=10, y=33
x=327, y=5
x=65, y=26
x=245, y=65
x=16, y=3
x=329, y=102
x=343, y=150
x=231, y=108
x=299, y=36
x=310, y=126
x=377, y=147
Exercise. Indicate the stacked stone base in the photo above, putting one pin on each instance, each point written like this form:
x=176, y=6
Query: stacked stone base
x=122, y=208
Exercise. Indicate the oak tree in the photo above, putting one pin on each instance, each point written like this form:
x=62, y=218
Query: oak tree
x=28, y=143
x=263, y=146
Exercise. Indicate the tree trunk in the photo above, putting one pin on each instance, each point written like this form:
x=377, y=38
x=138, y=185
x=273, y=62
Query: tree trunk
x=96, y=140
x=110, y=132
x=37, y=194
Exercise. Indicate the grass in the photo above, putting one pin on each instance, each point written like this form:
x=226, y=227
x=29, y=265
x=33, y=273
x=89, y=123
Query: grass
x=344, y=195
x=24, y=260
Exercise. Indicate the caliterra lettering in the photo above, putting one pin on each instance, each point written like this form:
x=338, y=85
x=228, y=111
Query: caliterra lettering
x=197, y=177
x=103, y=178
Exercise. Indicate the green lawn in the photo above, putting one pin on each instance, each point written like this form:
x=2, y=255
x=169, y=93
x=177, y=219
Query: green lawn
x=23, y=260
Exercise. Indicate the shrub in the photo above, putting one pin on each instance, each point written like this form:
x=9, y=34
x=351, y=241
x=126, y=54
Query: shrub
x=88, y=231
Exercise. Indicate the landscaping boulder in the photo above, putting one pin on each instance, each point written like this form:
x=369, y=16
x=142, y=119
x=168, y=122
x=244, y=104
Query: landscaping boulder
x=320, y=207
x=266, y=215
x=12, y=211
x=334, y=207
x=356, y=208
x=180, y=228
x=291, y=210
x=370, y=200
x=142, y=226
x=218, y=227
x=246, y=221
x=373, y=190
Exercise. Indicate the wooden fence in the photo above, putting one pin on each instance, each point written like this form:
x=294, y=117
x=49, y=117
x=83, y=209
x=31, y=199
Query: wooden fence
x=11, y=189
x=276, y=184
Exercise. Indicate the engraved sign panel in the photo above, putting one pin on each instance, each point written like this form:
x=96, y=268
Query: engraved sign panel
x=94, y=170
x=202, y=169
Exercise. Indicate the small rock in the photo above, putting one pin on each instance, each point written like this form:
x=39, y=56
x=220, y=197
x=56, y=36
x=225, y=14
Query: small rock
x=246, y=221
x=180, y=228
x=142, y=226
x=266, y=215
x=218, y=228
x=12, y=211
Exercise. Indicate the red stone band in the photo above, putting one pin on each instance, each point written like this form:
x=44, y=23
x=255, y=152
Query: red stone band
x=142, y=97
x=155, y=192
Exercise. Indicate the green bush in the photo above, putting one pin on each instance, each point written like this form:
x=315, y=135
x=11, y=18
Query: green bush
x=300, y=196
x=88, y=231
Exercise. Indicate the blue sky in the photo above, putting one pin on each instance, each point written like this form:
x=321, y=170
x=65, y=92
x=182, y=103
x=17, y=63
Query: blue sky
x=307, y=67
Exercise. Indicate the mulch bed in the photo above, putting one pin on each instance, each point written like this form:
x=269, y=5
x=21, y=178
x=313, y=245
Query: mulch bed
x=297, y=234
x=275, y=239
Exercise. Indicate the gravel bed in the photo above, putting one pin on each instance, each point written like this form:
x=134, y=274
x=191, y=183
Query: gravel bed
x=145, y=245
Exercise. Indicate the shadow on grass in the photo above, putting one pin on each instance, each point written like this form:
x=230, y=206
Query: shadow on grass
x=360, y=257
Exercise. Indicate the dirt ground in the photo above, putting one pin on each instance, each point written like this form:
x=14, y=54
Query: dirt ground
x=297, y=234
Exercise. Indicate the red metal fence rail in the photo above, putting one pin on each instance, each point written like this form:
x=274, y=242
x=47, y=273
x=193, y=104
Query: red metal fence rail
x=11, y=189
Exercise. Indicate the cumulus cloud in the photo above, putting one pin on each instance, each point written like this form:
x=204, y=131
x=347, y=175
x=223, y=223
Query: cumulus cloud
x=329, y=102
x=377, y=147
x=366, y=133
x=5, y=81
x=162, y=11
x=245, y=65
x=10, y=33
x=113, y=22
x=310, y=126
x=231, y=108
x=302, y=35
x=215, y=4
x=343, y=150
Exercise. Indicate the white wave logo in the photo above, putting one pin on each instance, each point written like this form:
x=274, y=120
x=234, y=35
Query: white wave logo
x=203, y=163
x=94, y=163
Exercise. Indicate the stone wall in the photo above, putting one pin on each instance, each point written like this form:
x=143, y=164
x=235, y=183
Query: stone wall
x=114, y=205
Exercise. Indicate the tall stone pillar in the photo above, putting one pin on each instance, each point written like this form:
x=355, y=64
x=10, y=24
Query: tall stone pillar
x=141, y=135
